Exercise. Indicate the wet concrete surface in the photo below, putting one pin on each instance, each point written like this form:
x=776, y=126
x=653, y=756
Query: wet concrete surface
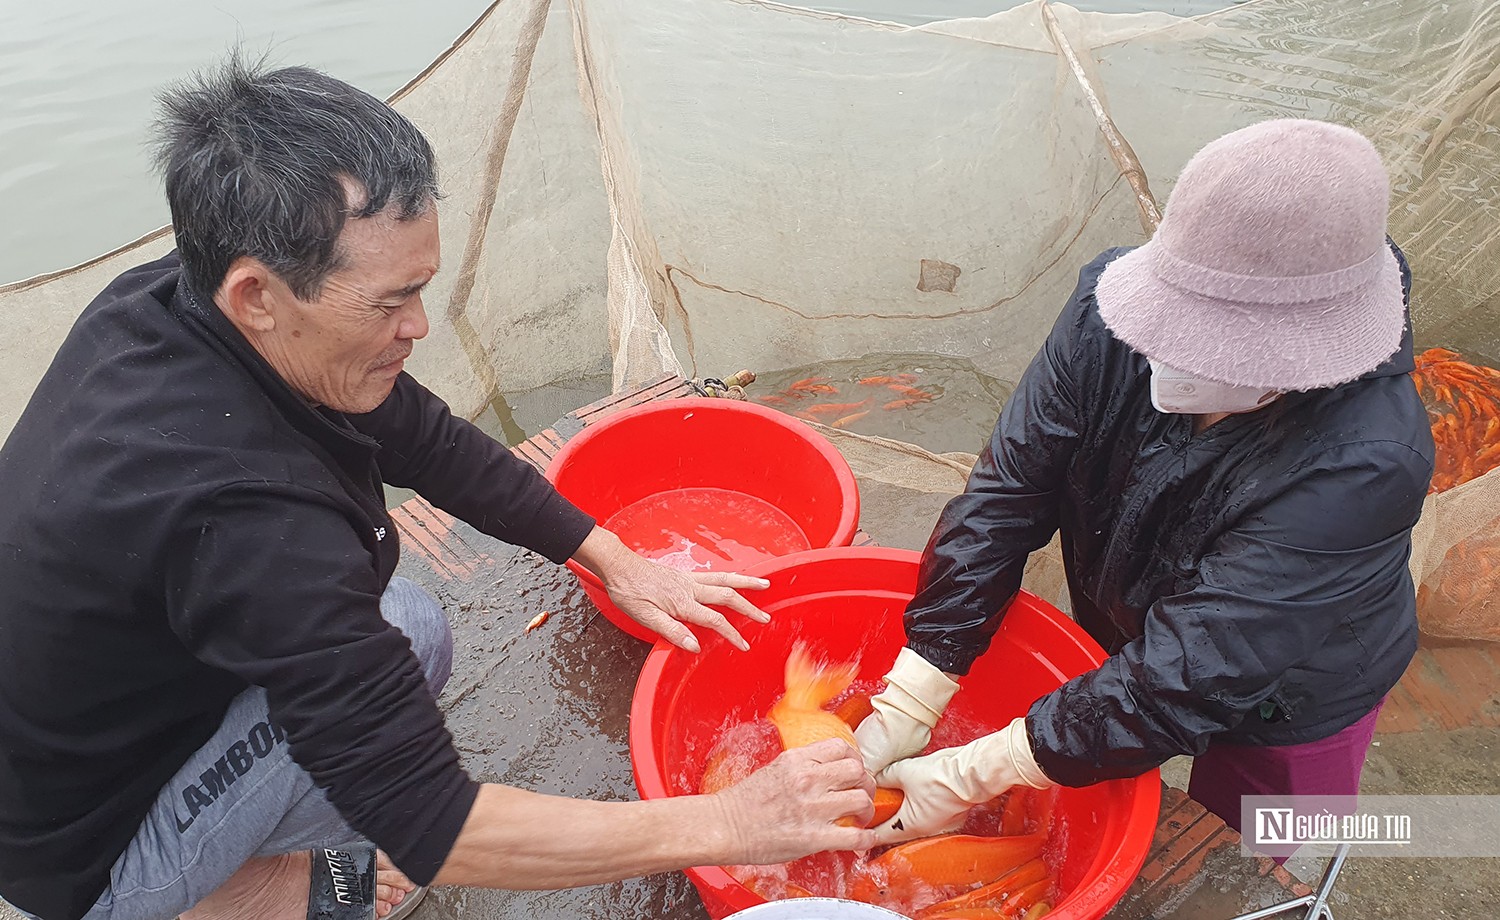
x=1460, y=762
x=1218, y=891
x=545, y=711
x=548, y=711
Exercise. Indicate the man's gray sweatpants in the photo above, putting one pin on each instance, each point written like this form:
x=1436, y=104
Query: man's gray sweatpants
x=241, y=795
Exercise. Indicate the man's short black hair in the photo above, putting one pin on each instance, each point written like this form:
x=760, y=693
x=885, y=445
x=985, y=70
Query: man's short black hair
x=257, y=164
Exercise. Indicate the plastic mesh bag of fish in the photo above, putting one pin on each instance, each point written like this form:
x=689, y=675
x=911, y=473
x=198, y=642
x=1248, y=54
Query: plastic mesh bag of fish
x=1463, y=405
x=1458, y=597
x=1462, y=598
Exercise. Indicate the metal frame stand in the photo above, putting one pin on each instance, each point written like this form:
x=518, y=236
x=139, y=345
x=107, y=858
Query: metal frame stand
x=1317, y=902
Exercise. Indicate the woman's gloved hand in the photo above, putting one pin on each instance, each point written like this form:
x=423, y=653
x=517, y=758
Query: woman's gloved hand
x=941, y=787
x=906, y=711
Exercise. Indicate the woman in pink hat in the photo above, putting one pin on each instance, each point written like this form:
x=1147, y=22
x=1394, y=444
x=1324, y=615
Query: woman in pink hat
x=1222, y=427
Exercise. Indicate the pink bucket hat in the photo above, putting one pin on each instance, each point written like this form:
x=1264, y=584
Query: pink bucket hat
x=1270, y=268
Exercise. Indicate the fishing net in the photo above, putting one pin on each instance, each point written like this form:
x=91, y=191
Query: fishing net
x=638, y=187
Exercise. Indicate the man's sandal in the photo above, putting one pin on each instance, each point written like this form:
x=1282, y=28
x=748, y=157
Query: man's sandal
x=342, y=887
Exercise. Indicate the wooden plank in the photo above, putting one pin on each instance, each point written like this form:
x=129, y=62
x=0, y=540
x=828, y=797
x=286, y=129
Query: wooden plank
x=1277, y=872
x=534, y=453
x=430, y=534
x=1191, y=846
x=1177, y=813
x=1469, y=668
x=1434, y=691
x=427, y=533
x=1178, y=838
x=550, y=441
x=661, y=388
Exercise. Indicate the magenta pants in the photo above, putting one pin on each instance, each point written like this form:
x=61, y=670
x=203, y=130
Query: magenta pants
x=1330, y=766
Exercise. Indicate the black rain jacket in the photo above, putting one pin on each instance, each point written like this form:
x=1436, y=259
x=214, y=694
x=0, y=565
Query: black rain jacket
x=179, y=524
x=1249, y=583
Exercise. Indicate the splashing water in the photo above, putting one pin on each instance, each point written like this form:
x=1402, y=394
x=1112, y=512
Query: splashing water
x=745, y=747
x=740, y=751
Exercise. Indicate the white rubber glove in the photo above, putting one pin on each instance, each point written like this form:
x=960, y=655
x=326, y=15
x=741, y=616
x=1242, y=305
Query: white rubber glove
x=906, y=711
x=941, y=787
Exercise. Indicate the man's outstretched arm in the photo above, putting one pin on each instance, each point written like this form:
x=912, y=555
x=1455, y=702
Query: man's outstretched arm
x=522, y=840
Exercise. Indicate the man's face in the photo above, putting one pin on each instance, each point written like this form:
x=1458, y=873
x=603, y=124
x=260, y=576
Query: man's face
x=345, y=348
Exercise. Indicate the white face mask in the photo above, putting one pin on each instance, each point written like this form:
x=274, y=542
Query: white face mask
x=1179, y=392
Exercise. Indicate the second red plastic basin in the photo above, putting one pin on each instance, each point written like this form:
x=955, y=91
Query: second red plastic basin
x=847, y=603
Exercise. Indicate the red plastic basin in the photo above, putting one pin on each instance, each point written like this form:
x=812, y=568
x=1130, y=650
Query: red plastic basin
x=847, y=603
x=707, y=484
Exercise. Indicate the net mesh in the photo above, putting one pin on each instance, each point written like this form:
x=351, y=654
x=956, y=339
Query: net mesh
x=638, y=187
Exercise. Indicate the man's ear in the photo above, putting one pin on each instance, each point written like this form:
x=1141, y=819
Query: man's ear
x=248, y=295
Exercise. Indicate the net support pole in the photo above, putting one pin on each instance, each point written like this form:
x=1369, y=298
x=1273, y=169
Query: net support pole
x=1120, y=151
x=535, y=19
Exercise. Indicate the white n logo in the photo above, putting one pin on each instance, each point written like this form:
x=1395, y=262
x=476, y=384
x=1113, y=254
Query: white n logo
x=1273, y=825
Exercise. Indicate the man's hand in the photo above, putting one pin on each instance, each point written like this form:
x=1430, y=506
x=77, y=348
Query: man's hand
x=787, y=809
x=663, y=600
x=782, y=812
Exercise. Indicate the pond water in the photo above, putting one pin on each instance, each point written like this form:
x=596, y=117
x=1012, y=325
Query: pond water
x=78, y=81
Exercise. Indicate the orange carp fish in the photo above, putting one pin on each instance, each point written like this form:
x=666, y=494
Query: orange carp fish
x=801, y=718
x=799, y=715
x=994, y=871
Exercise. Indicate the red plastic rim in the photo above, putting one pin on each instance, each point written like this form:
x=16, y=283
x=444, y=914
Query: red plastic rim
x=624, y=457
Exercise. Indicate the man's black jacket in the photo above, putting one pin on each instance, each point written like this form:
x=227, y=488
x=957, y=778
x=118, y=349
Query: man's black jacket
x=1250, y=583
x=179, y=525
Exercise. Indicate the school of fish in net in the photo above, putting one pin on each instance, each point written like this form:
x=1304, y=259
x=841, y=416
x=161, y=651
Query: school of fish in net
x=888, y=393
